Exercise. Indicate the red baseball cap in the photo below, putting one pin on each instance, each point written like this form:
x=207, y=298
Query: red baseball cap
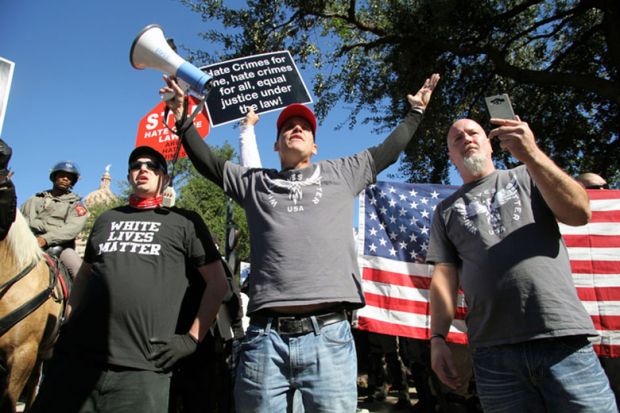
x=297, y=109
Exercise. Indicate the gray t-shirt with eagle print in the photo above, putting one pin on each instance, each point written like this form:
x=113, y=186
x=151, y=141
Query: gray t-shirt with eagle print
x=513, y=265
x=302, y=246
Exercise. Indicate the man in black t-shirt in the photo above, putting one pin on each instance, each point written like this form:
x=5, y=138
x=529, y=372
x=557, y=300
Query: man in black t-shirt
x=118, y=346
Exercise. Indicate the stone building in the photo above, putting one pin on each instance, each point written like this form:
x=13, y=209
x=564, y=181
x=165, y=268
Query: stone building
x=103, y=195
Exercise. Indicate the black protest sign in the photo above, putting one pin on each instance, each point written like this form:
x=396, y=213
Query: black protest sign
x=267, y=82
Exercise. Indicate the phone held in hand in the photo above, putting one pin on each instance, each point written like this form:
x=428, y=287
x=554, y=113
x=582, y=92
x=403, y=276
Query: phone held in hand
x=499, y=107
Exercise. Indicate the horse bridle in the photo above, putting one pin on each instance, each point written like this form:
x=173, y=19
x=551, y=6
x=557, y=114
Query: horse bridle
x=29, y=306
x=19, y=276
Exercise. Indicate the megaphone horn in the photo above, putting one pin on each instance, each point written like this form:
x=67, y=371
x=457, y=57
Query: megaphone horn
x=150, y=49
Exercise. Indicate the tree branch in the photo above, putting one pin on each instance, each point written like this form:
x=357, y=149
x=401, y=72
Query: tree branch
x=571, y=13
x=515, y=11
x=368, y=45
x=582, y=39
x=604, y=88
x=350, y=18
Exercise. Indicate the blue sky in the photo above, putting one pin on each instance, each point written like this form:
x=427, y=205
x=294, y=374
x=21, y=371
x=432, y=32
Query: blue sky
x=75, y=95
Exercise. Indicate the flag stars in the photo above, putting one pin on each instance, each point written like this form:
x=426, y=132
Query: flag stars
x=398, y=220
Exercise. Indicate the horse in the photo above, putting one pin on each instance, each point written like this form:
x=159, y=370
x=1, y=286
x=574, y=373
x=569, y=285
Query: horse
x=31, y=310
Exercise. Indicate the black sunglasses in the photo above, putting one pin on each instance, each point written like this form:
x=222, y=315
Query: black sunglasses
x=603, y=186
x=151, y=166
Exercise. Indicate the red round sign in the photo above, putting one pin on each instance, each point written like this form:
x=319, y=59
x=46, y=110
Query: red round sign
x=152, y=131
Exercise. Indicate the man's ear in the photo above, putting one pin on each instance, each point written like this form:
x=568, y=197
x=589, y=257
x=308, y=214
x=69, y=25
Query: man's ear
x=276, y=145
x=315, y=149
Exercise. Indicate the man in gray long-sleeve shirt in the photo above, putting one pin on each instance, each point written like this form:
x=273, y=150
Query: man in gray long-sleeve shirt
x=304, y=268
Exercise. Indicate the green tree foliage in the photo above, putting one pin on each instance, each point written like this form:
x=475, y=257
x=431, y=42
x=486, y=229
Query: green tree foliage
x=559, y=61
x=203, y=196
x=97, y=209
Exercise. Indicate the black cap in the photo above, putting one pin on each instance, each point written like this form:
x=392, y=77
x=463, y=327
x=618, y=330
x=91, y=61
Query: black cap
x=150, y=152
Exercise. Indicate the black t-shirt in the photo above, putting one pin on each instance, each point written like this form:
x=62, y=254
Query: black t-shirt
x=139, y=260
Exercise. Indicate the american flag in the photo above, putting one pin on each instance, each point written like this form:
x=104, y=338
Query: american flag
x=594, y=251
x=394, y=229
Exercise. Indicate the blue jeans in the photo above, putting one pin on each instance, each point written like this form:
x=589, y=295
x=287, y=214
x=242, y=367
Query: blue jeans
x=321, y=365
x=549, y=375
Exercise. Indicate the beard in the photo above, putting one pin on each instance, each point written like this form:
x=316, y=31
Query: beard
x=476, y=163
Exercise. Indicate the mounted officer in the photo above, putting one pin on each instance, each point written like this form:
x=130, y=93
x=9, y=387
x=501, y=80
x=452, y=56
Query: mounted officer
x=56, y=216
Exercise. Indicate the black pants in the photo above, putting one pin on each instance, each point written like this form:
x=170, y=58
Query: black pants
x=72, y=385
x=385, y=347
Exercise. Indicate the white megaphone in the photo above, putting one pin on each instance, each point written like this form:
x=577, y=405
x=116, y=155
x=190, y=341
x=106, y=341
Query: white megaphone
x=150, y=49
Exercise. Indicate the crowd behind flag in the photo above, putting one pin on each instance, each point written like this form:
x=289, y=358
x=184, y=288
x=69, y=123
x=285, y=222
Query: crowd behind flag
x=394, y=229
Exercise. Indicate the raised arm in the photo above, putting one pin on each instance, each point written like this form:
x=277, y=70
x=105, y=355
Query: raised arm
x=388, y=152
x=248, y=150
x=568, y=200
x=204, y=160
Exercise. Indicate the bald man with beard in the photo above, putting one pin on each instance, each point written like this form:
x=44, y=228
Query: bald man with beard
x=497, y=238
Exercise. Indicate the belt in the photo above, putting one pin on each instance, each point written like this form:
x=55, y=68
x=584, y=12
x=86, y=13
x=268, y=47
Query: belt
x=297, y=325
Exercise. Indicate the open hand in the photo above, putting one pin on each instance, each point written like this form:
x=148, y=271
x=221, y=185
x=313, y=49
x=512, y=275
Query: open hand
x=423, y=96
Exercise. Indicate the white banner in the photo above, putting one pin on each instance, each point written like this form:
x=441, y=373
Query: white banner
x=6, y=76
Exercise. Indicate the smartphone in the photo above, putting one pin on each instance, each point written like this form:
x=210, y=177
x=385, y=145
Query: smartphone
x=499, y=106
